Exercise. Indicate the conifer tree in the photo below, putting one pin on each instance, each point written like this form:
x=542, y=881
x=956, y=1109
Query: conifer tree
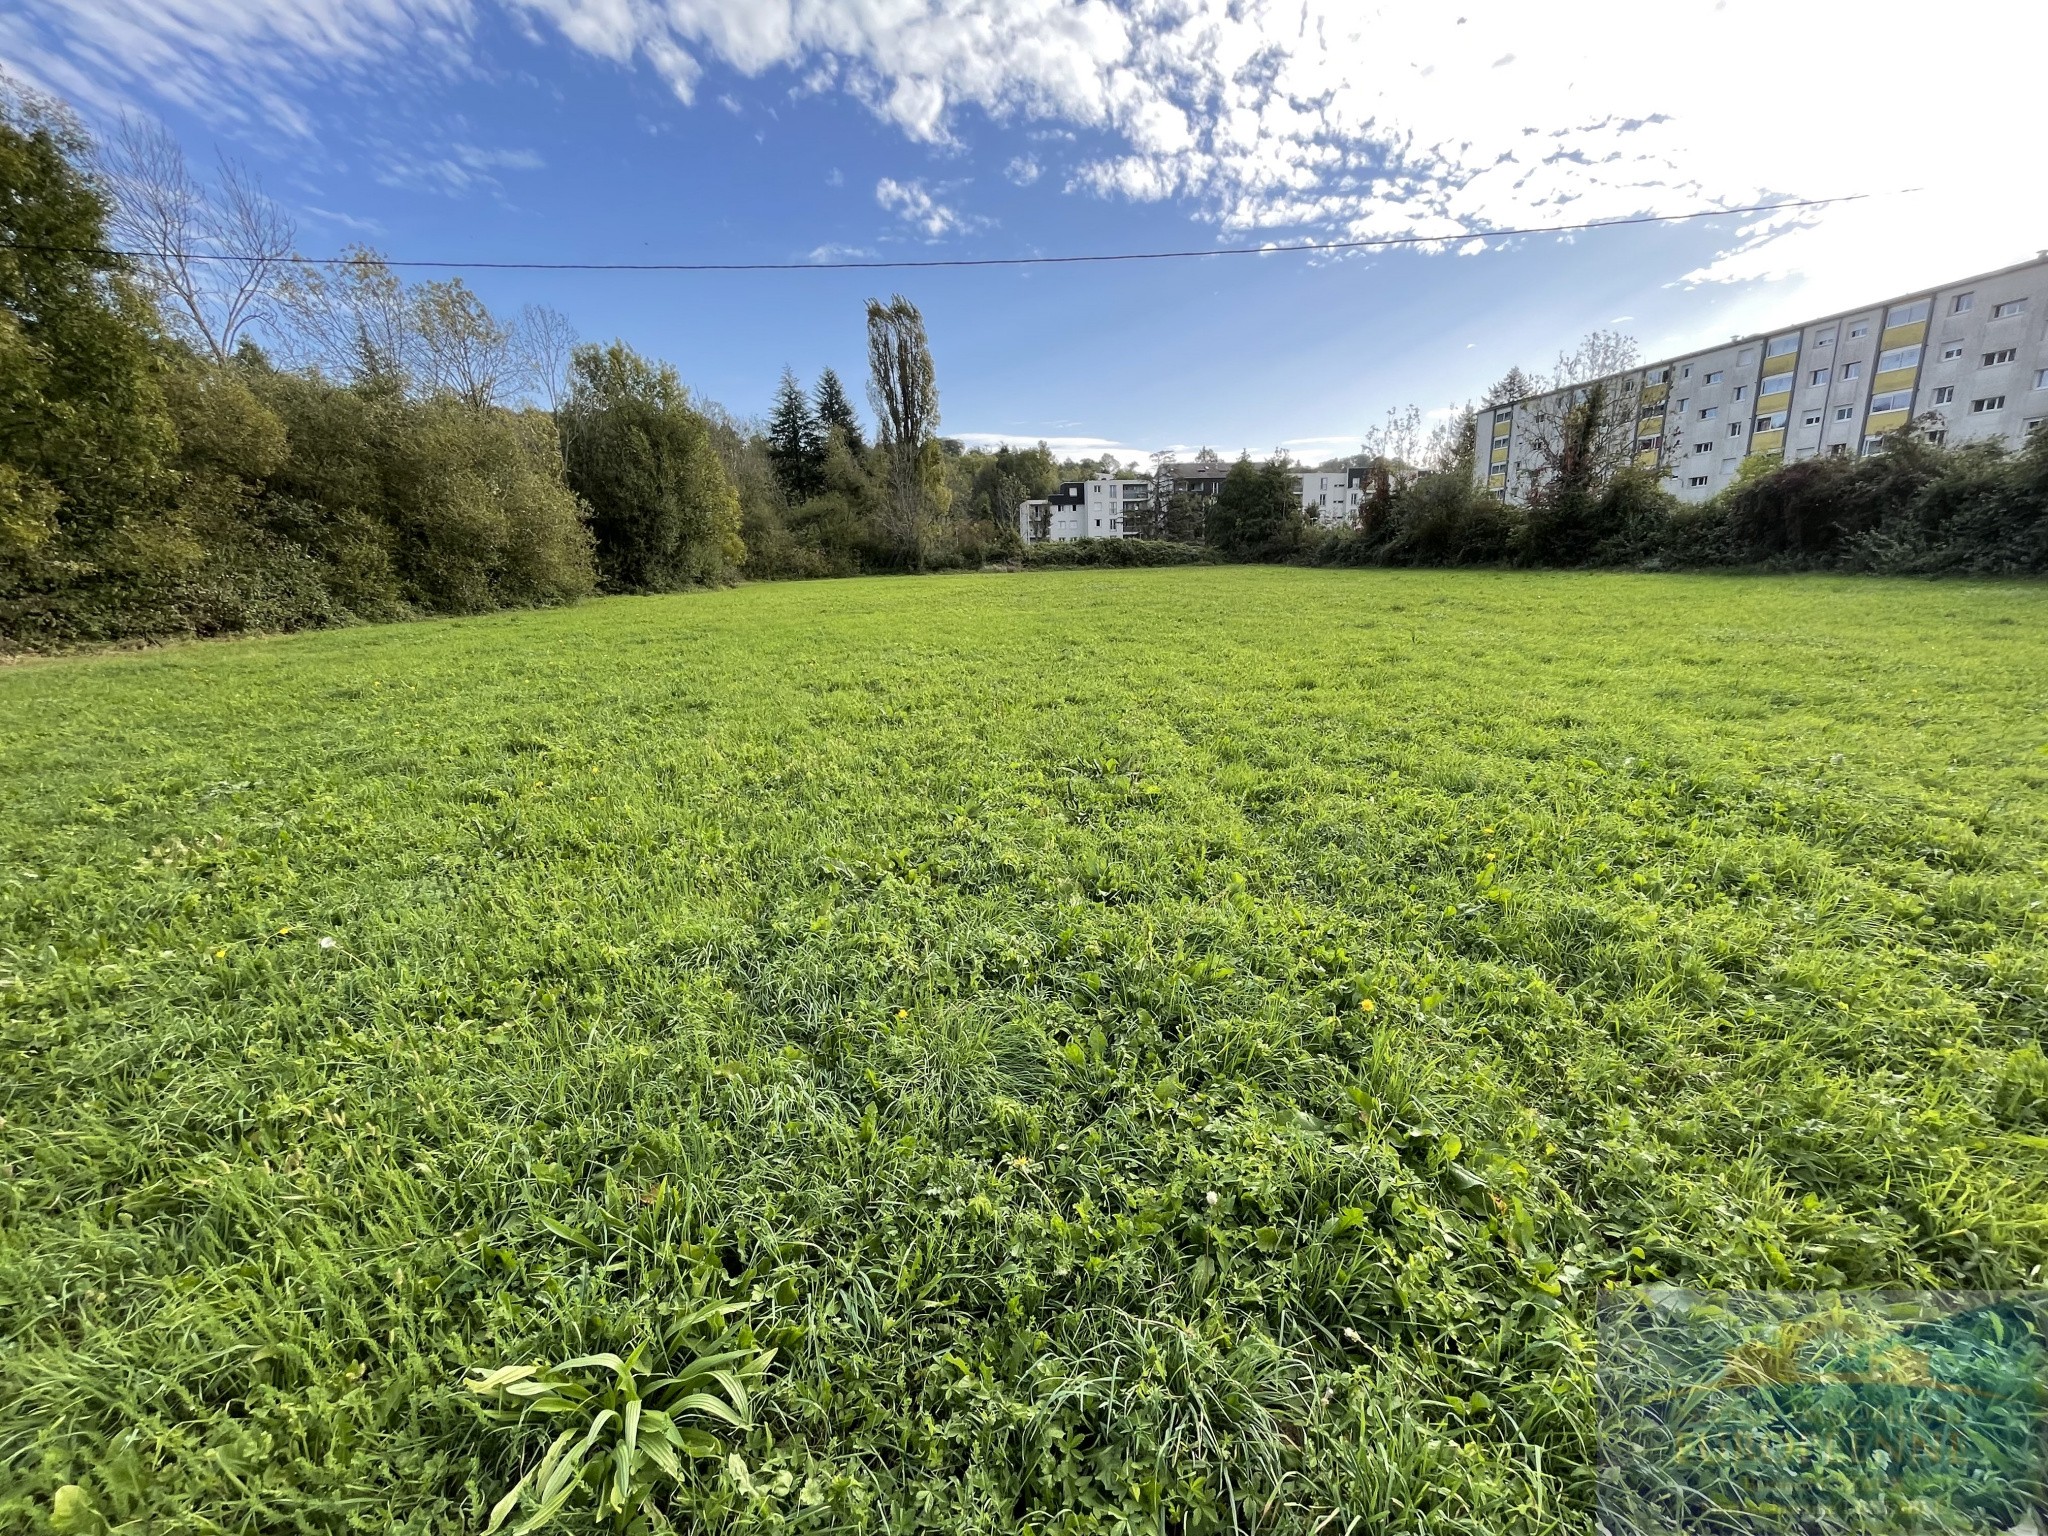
x=836, y=410
x=796, y=442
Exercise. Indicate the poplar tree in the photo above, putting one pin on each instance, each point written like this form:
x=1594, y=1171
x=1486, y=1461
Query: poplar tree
x=903, y=389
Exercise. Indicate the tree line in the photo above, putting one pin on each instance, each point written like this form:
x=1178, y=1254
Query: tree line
x=192, y=445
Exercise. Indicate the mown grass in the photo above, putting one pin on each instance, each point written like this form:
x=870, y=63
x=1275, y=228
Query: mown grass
x=1161, y=1050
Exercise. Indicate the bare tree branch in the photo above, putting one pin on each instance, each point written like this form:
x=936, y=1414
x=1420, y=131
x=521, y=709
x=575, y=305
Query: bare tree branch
x=545, y=340
x=175, y=224
x=352, y=321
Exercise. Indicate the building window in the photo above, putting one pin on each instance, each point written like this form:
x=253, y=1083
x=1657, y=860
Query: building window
x=1810, y=419
x=1907, y=314
x=1987, y=404
x=1778, y=346
x=1707, y=447
x=1709, y=412
x=2008, y=309
x=1962, y=303
x=1742, y=391
x=1745, y=357
x=1898, y=357
x=1728, y=466
x=1645, y=444
x=2034, y=423
x=1858, y=330
x=1685, y=372
x=1696, y=481
x=1777, y=384
x=1714, y=377
x=1952, y=351
x=1892, y=400
x=1874, y=442
x=1683, y=402
x=1851, y=371
x=1826, y=338
x=1735, y=429
x=1819, y=376
x=2041, y=378
x=1936, y=435
x=1838, y=450
x=1845, y=413
x=1660, y=376
x=1945, y=394
x=2002, y=355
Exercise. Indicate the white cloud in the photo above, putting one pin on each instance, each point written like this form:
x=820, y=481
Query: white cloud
x=1023, y=170
x=831, y=251
x=242, y=61
x=458, y=169
x=1322, y=117
x=911, y=202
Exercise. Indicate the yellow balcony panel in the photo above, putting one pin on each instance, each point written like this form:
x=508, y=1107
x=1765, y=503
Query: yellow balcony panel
x=1902, y=335
x=1885, y=421
x=1497, y=479
x=1646, y=459
x=1768, y=442
x=1785, y=362
x=1656, y=394
x=1649, y=426
x=1500, y=453
x=1892, y=378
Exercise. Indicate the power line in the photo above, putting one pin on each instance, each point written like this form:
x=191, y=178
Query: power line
x=1309, y=248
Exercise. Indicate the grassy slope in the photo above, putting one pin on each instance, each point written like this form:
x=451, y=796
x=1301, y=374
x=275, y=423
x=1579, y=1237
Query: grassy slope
x=913, y=959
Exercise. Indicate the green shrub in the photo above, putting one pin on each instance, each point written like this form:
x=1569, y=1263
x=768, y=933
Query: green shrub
x=1110, y=552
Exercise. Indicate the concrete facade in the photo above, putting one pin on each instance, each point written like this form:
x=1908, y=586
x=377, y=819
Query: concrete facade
x=1964, y=362
x=1083, y=509
x=1331, y=498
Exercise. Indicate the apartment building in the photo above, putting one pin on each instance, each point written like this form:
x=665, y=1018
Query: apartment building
x=1083, y=509
x=1331, y=498
x=1195, y=477
x=1963, y=363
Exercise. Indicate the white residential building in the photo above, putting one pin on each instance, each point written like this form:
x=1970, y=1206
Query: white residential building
x=1083, y=509
x=1331, y=497
x=1965, y=362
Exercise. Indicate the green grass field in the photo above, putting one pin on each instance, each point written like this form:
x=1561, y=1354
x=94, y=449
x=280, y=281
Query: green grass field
x=1147, y=1051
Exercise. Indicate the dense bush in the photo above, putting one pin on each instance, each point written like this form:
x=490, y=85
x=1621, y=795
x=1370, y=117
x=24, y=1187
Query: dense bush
x=1110, y=552
x=1912, y=507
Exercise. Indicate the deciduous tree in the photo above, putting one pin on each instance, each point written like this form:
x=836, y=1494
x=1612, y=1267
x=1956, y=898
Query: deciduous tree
x=85, y=439
x=903, y=389
x=663, y=512
x=215, y=256
x=1258, y=510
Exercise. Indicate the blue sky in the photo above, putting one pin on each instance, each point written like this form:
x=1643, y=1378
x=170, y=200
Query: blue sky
x=790, y=130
